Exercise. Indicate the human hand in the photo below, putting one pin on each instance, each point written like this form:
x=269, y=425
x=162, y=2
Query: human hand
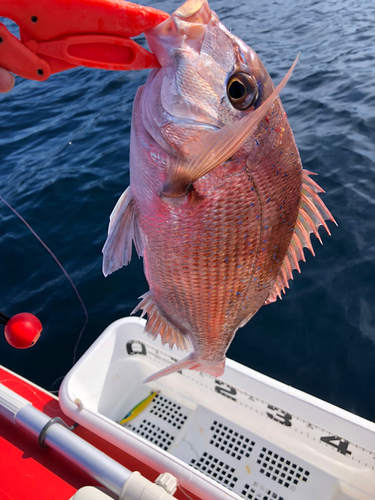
x=6, y=81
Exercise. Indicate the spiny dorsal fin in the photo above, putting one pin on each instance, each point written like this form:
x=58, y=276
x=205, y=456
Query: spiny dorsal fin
x=312, y=214
x=123, y=229
x=157, y=324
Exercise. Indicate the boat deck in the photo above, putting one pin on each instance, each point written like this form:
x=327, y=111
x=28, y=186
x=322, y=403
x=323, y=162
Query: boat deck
x=240, y=436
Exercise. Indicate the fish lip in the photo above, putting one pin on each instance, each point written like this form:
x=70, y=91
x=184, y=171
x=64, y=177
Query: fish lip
x=176, y=29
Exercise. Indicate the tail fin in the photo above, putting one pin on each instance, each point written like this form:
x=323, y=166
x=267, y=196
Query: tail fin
x=190, y=363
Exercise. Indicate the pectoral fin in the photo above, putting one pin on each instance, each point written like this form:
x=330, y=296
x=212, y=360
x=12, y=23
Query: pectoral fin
x=122, y=231
x=312, y=214
x=216, y=147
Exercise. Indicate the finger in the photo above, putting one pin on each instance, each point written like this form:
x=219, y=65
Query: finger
x=6, y=81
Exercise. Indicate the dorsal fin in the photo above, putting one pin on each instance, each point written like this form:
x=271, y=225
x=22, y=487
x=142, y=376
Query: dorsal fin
x=312, y=214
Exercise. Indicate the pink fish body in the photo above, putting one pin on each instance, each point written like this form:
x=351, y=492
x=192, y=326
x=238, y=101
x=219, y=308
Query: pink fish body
x=218, y=203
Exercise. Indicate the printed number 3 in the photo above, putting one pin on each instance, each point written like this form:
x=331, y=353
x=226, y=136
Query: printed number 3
x=280, y=416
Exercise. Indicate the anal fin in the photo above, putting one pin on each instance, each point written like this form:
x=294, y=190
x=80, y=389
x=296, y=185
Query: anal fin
x=157, y=324
x=312, y=214
x=122, y=231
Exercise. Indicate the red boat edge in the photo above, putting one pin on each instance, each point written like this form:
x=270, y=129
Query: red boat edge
x=29, y=471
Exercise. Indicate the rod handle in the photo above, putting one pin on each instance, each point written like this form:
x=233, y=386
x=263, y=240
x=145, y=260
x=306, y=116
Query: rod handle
x=10, y=403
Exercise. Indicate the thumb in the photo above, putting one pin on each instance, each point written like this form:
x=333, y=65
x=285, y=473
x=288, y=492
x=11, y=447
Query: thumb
x=6, y=81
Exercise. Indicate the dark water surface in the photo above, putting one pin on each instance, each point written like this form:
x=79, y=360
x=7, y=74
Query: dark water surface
x=64, y=147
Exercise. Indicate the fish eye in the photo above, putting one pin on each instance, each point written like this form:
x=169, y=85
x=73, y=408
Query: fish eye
x=242, y=90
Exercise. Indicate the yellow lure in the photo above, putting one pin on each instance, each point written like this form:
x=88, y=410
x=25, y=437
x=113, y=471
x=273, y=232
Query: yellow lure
x=139, y=408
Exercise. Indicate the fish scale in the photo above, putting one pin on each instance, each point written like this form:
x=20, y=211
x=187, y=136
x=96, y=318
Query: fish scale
x=192, y=242
x=218, y=204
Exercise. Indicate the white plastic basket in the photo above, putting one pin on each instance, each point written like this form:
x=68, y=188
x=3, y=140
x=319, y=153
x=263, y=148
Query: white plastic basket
x=244, y=435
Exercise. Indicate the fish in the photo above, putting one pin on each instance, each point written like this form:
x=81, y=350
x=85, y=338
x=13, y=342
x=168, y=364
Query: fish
x=218, y=206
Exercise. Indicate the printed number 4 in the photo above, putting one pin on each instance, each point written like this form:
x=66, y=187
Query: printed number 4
x=342, y=446
x=280, y=416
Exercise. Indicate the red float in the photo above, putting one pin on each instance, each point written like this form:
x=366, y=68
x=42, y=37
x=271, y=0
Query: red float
x=23, y=330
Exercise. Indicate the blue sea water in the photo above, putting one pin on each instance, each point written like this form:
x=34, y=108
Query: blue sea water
x=64, y=148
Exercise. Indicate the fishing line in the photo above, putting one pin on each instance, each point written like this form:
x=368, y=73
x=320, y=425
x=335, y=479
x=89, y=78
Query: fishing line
x=62, y=269
x=28, y=386
x=183, y=491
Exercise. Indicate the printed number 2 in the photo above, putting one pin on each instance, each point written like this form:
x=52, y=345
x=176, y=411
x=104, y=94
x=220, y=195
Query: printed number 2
x=342, y=446
x=280, y=416
x=227, y=391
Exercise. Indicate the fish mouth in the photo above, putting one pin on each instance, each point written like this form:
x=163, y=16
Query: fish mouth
x=187, y=25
